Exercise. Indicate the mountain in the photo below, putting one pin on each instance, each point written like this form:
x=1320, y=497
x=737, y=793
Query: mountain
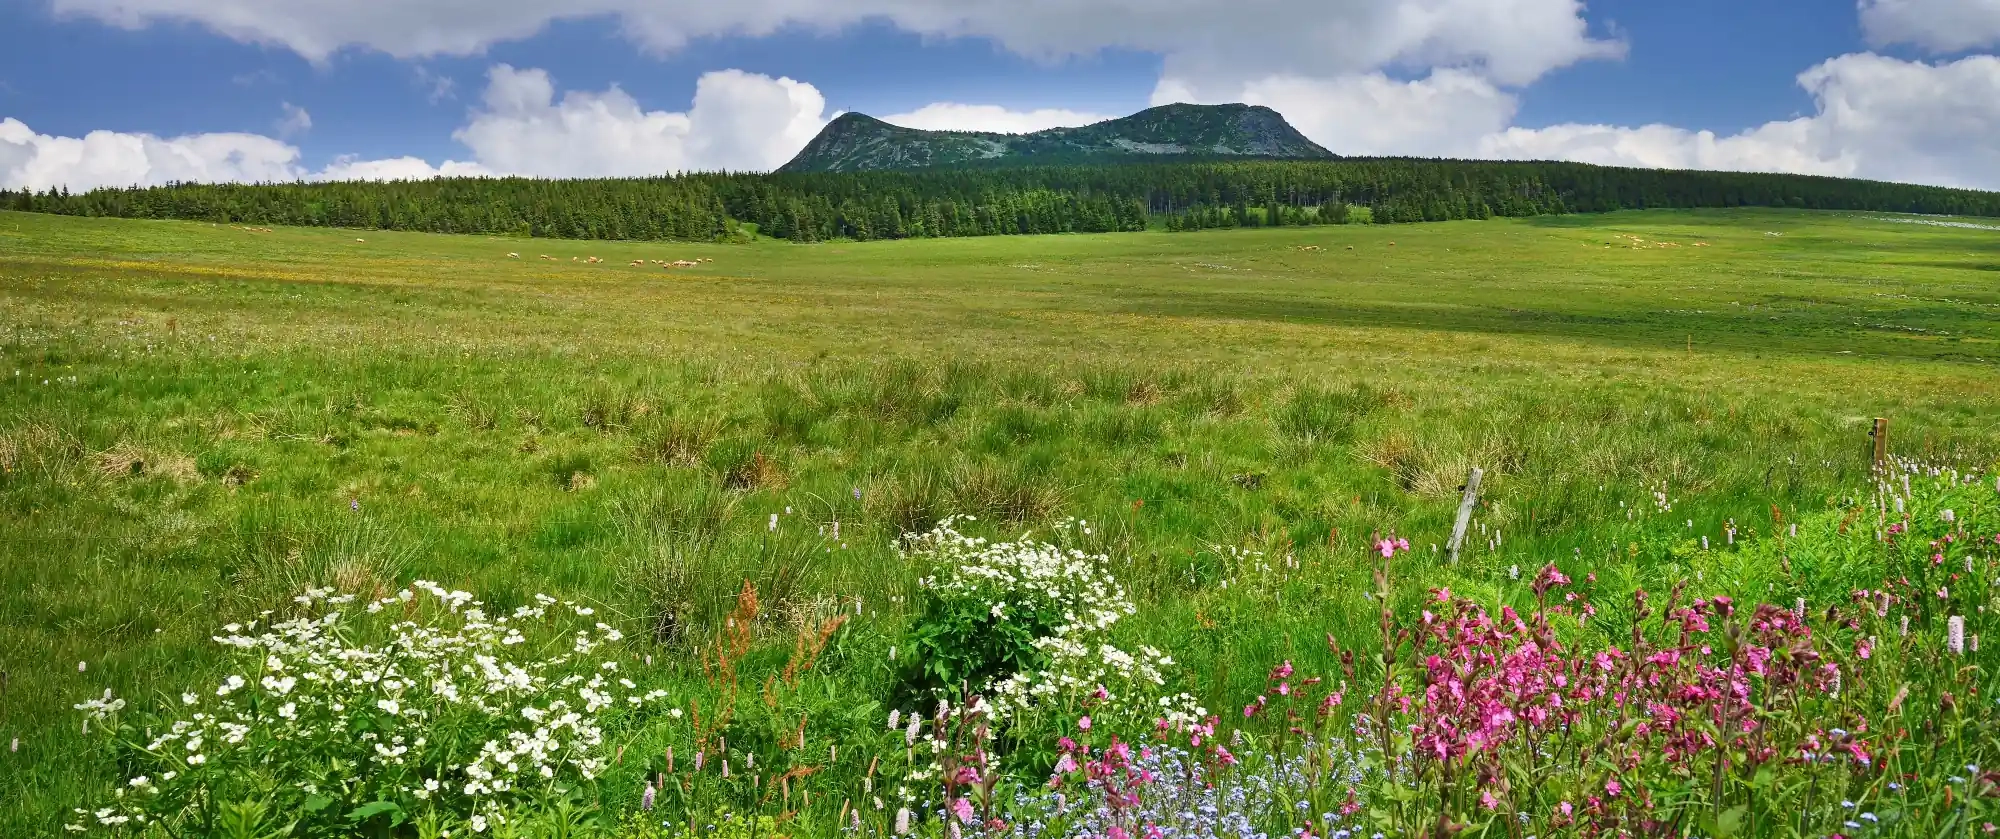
x=856, y=142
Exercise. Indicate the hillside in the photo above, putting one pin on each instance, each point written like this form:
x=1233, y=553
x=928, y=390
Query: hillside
x=856, y=142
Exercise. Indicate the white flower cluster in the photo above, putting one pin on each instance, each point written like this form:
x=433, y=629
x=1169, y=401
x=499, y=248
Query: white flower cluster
x=1021, y=577
x=458, y=714
x=1025, y=579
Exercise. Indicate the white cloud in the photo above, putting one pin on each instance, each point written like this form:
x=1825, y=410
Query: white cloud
x=1776, y=147
x=296, y=121
x=739, y=121
x=953, y=116
x=108, y=158
x=1876, y=117
x=1512, y=41
x=1365, y=114
x=348, y=168
x=1941, y=26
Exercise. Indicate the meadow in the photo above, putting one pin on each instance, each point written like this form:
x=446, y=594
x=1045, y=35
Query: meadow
x=201, y=423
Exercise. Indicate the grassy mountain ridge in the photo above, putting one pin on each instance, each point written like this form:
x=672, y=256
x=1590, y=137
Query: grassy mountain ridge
x=857, y=142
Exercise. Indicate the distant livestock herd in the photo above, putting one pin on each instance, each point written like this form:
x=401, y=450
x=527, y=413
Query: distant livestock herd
x=636, y=263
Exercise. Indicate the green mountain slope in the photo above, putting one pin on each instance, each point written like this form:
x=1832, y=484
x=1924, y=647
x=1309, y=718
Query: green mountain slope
x=857, y=142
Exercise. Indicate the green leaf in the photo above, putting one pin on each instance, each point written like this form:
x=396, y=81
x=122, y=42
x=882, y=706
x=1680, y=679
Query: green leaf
x=371, y=810
x=317, y=803
x=1729, y=822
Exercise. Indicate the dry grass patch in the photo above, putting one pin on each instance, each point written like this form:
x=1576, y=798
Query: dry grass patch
x=130, y=460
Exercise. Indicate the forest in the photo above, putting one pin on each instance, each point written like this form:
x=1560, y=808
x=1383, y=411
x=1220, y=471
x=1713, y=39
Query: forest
x=808, y=207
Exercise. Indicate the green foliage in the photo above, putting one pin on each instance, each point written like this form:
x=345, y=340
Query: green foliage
x=821, y=206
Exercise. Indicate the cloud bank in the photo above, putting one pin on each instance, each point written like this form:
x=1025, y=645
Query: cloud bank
x=1512, y=41
x=1361, y=77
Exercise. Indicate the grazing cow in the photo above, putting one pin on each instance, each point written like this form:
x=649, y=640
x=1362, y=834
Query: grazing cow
x=360, y=240
x=513, y=256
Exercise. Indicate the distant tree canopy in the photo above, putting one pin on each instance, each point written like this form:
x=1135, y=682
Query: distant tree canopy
x=984, y=202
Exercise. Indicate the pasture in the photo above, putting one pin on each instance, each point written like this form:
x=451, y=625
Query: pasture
x=200, y=421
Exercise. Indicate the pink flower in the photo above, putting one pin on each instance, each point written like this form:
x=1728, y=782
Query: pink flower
x=1487, y=800
x=963, y=810
x=1083, y=723
x=1613, y=788
x=1117, y=832
x=1065, y=765
x=1565, y=808
x=1387, y=548
x=1223, y=755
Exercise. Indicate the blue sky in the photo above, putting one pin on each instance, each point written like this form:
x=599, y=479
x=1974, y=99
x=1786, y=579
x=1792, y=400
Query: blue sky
x=318, y=82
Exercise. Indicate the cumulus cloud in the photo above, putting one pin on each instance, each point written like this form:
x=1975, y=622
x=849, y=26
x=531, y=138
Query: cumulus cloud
x=349, y=168
x=108, y=158
x=1940, y=26
x=739, y=121
x=1442, y=115
x=953, y=116
x=1512, y=41
x=1876, y=117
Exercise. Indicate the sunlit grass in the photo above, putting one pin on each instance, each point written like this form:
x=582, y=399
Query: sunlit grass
x=197, y=420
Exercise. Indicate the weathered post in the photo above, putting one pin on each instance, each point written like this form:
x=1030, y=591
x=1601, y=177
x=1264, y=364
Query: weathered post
x=1465, y=506
x=1881, y=435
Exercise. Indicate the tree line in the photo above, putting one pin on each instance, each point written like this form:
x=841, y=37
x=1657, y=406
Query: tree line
x=810, y=207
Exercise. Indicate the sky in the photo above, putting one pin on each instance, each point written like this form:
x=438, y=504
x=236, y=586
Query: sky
x=121, y=92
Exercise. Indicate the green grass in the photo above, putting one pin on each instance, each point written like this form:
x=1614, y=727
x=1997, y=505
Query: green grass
x=197, y=420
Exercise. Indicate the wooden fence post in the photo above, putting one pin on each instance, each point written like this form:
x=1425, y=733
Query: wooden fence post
x=1465, y=506
x=1881, y=436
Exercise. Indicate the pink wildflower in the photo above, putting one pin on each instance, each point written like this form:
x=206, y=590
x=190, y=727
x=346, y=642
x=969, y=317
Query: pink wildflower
x=963, y=810
x=1083, y=723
